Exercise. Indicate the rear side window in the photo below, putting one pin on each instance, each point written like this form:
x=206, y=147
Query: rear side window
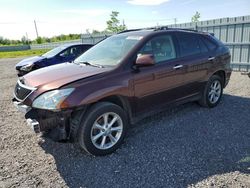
x=210, y=45
x=189, y=44
x=84, y=48
x=203, y=46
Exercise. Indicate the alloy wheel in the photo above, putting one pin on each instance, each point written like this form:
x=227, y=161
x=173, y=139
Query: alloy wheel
x=214, y=92
x=106, y=130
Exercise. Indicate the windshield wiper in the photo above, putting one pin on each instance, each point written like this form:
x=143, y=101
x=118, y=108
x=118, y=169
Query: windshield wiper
x=89, y=64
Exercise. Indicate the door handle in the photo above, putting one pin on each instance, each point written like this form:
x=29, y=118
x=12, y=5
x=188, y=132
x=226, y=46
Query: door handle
x=211, y=58
x=177, y=66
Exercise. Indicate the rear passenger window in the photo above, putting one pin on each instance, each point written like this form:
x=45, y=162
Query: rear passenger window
x=189, y=44
x=211, y=46
x=162, y=47
x=203, y=46
x=78, y=51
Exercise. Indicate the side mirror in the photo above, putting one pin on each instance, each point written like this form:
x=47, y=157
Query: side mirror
x=145, y=60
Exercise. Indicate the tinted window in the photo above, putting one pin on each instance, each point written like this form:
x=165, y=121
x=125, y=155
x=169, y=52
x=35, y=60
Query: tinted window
x=69, y=52
x=189, y=44
x=162, y=47
x=209, y=44
x=54, y=52
x=77, y=51
x=85, y=48
x=203, y=46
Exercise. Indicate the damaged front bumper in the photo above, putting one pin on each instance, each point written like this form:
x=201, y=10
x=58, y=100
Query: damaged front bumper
x=21, y=107
x=34, y=124
x=44, y=120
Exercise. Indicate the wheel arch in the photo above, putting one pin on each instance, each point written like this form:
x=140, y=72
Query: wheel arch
x=77, y=115
x=222, y=74
x=121, y=101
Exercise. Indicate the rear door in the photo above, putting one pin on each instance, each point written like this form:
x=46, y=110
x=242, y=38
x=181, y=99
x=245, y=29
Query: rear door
x=196, y=58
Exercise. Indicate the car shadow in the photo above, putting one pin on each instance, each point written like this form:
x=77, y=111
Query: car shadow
x=176, y=148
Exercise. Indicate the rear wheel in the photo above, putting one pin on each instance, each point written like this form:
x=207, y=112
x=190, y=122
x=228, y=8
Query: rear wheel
x=103, y=129
x=212, y=93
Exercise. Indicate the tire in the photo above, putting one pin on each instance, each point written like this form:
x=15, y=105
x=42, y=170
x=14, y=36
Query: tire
x=214, y=82
x=98, y=121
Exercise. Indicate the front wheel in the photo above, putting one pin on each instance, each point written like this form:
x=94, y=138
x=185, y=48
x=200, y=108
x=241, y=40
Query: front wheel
x=103, y=129
x=212, y=93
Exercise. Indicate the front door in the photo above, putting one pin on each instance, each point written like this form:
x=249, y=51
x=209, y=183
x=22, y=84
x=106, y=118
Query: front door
x=162, y=83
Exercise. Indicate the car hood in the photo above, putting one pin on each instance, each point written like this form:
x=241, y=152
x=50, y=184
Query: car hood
x=29, y=61
x=55, y=76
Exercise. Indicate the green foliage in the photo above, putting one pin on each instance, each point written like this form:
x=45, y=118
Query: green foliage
x=4, y=41
x=39, y=40
x=25, y=40
x=113, y=25
x=22, y=53
x=96, y=32
x=196, y=17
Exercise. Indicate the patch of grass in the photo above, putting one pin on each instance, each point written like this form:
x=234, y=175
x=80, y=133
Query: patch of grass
x=22, y=53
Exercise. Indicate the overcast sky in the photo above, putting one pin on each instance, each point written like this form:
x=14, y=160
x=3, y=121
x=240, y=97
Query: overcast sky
x=56, y=17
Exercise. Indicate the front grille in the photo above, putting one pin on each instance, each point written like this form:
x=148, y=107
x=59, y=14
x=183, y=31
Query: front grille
x=21, y=92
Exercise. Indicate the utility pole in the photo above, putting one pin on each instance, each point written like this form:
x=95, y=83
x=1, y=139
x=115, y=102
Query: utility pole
x=27, y=39
x=36, y=28
x=175, y=21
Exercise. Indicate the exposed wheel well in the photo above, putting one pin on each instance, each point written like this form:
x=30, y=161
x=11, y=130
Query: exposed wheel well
x=221, y=74
x=120, y=101
x=113, y=99
x=77, y=115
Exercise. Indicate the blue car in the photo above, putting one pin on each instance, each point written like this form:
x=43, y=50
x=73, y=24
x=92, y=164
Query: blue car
x=61, y=54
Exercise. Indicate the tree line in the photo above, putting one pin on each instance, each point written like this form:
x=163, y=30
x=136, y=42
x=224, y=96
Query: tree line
x=39, y=40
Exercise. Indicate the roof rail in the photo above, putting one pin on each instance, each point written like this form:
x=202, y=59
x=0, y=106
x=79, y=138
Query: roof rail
x=158, y=28
x=129, y=30
x=176, y=28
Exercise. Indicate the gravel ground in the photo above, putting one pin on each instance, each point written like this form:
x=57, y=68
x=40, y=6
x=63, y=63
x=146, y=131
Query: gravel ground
x=187, y=146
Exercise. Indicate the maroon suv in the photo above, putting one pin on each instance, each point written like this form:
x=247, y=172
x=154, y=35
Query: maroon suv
x=93, y=100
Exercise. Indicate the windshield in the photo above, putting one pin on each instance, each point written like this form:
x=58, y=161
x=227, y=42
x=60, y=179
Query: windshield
x=110, y=51
x=54, y=52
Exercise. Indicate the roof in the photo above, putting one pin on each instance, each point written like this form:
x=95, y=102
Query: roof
x=74, y=44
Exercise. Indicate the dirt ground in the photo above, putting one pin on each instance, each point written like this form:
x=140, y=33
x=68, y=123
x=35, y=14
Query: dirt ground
x=187, y=146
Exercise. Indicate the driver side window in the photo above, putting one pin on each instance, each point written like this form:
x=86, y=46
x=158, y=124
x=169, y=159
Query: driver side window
x=161, y=47
x=70, y=52
x=65, y=53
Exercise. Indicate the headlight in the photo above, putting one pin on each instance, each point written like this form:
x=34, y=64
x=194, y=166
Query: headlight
x=27, y=68
x=52, y=100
